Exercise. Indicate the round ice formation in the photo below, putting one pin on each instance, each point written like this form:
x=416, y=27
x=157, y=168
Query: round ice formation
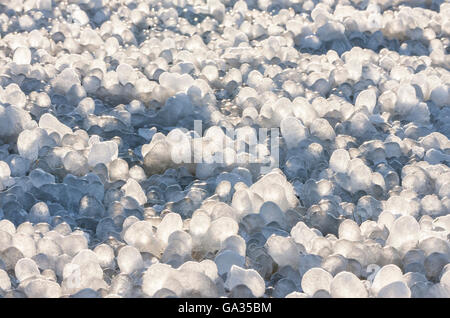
x=129, y=260
x=347, y=285
x=39, y=213
x=250, y=278
x=26, y=268
x=22, y=56
x=316, y=279
x=204, y=148
x=102, y=152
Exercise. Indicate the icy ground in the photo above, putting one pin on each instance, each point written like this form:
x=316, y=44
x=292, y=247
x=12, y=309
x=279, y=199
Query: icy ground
x=94, y=95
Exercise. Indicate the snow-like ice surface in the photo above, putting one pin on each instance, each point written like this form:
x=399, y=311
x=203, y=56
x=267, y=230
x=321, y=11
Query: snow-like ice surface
x=108, y=189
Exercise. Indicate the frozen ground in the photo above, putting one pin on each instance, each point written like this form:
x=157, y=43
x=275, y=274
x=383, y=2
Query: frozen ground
x=99, y=196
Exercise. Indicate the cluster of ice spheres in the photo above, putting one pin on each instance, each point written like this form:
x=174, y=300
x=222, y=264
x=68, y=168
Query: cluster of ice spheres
x=99, y=196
